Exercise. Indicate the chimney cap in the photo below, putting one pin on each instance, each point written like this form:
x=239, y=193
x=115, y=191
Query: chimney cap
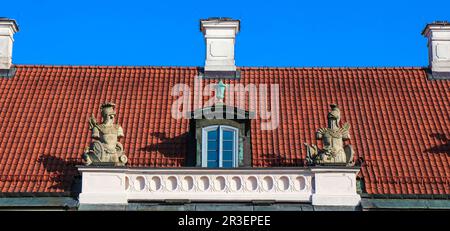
x=220, y=20
x=4, y=20
x=435, y=23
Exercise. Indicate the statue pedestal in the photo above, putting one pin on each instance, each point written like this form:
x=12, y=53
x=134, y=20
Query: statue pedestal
x=335, y=186
x=103, y=185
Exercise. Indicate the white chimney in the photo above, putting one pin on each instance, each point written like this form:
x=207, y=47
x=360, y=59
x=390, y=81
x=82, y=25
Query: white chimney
x=220, y=34
x=7, y=29
x=438, y=34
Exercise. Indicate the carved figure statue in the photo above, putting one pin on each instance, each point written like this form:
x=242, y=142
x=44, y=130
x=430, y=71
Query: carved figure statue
x=105, y=149
x=334, y=152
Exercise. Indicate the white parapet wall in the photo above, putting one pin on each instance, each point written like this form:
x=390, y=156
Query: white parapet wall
x=321, y=186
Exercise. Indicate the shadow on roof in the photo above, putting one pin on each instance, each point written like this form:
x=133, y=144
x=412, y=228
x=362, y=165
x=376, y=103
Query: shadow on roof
x=443, y=148
x=62, y=172
x=169, y=146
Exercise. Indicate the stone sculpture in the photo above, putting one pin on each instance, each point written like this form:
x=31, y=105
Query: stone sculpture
x=105, y=149
x=334, y=152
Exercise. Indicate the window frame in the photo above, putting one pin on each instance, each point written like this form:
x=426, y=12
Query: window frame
x=220, y=129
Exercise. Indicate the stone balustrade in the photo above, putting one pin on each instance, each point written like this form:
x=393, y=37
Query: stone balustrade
x=102, y=185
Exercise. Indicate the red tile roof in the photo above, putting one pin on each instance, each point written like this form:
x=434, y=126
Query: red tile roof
x=400, y=121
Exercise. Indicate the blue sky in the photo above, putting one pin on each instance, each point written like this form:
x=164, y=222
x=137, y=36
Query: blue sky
x=273, y=33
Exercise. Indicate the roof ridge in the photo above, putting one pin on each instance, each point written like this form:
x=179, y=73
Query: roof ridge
x=103, y=66
x=336, y=68
x=239, y=68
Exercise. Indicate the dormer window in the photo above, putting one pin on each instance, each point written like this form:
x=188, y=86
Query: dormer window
x=219, y=146
x=219, y=142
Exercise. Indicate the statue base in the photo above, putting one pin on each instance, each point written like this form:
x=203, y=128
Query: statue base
x=106, y=164
x=328, y=164
x=335, y=186
x=91, y=159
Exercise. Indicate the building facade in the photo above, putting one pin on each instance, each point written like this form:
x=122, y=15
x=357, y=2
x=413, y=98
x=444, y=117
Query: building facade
x=222, y=137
